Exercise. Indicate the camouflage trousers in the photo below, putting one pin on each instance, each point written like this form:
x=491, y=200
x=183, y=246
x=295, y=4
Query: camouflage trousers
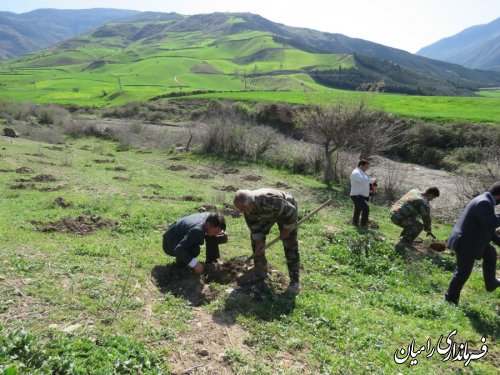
x=291, y=247
x=411, y=227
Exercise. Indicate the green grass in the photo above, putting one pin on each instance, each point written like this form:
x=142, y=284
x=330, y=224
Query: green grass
x=360, y=300
x=110, y=71
x=441, y=108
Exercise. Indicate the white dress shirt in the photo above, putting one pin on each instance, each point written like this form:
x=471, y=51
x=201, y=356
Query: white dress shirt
x=360, y=183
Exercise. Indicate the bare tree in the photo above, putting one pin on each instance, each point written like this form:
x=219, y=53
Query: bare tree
x=335, y=128
x=379, y=133
x=470, y=185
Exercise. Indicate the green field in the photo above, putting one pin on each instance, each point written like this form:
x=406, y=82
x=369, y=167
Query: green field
x=110, y=67
x=92, y=304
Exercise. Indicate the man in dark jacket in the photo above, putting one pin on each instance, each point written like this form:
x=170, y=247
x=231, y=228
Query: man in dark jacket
x=470, y=239
x=184, y=238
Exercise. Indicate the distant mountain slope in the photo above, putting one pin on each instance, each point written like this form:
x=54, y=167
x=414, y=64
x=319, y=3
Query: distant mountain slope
x=32, y=31
x=477, y=47
x=152, y=54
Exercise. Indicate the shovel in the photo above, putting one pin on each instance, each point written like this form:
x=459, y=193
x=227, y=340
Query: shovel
x=304, y=219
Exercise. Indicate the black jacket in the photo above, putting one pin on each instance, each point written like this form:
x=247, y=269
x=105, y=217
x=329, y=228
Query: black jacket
x=475, y=228
x=184, y=237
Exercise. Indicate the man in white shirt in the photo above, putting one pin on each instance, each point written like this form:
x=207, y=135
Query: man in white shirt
x=360, y=192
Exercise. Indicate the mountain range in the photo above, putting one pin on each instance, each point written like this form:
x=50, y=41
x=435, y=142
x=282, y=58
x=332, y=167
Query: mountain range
x=41, y=28
x=154, y=53
x=476, y=47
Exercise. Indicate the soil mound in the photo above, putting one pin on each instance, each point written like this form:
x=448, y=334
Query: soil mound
x=24, y=170
x=252, y=177
x=176, y=168
x=82, y=225
x=61, y=202
x=200, y=289
x=44, y=178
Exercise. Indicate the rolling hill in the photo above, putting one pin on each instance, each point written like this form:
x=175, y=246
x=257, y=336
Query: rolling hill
x=151, y=54
x=41, y=28
x=477, y=47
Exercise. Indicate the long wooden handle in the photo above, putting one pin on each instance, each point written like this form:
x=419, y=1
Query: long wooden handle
x=303, y=220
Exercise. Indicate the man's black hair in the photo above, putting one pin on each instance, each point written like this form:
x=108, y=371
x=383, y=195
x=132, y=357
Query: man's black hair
x=217, y=220
x=495, y=188
x=363, y=162
x=433, y=190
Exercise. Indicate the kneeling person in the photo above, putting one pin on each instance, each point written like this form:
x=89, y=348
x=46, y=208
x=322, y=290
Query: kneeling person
x=404, y=213
x=263, y=208
x=184, y=238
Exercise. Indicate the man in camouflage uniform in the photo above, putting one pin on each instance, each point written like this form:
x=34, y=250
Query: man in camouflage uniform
x=404, y=213
x=262, y=209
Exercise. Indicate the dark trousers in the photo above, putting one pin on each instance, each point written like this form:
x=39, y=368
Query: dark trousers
x=291, y=247
x=360, y=208
x=212, y=252
x=464, y=269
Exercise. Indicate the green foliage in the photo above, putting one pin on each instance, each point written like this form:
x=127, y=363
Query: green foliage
x=24, y=352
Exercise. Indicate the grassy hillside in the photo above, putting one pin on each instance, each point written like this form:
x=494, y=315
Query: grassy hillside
x=98, y=303
x=155, y=55
x=118, y=63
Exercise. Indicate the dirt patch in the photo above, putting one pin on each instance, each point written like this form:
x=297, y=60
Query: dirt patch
x=154, y=197
x=252, y=177
x=183, y=282
x=44, y=178
x=82, y=225
x=24, y=170
x=175, y=158
x=44, y=162
x=282, y=185
x=103, y=161
x=228, y=188
x=190, y=198
x=229, y=209
x=438, y=246
x=116, y=169
x=201, y=350
x=61, y=202
x=176, y=168
x=38, y=155
x=50, y=188
x=55, y=148
x=23, y=186
x=121, y=178
x=201, y=176
x=230, y=170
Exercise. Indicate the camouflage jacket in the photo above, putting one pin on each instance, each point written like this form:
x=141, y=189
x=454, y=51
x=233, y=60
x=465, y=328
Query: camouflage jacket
x=271, y=206
x=412, y=205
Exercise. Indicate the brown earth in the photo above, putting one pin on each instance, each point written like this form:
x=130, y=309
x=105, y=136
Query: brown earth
x=82, y=225
x=24, y=170
x=176, y=168
x=44, y=178
x=61, y=202
x=198, y=289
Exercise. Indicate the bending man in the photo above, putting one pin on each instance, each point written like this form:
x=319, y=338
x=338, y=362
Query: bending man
x=184, y=238
x=262, y=209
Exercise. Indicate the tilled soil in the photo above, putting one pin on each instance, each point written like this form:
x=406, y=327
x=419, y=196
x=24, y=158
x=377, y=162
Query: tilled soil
x=200, y=289
x=82, y=225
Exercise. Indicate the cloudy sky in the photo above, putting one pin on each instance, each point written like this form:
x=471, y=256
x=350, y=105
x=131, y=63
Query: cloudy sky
x=405, y=24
